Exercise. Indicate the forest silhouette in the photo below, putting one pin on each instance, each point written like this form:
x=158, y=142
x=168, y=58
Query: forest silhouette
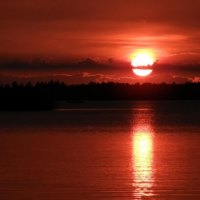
x=45, y=95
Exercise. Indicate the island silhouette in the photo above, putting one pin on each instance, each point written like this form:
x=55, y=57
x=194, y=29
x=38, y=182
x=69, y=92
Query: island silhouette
x=45, y=95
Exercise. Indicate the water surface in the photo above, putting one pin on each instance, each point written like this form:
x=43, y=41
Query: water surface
x=120, y=150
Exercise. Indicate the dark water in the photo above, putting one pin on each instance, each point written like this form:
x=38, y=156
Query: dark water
x=130, y=150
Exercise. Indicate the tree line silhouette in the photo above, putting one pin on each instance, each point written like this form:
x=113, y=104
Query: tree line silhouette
x=44, y=95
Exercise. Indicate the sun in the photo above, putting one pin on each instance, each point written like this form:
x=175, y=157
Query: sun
x=142, y=60
x=142, y=72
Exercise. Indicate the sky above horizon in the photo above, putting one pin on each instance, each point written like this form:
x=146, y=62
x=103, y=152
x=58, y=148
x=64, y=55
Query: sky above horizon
x=101, y=30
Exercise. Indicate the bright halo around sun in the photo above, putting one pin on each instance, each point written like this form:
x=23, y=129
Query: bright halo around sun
x=142, y=62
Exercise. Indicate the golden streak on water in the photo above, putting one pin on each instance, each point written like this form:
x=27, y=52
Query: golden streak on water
x=142, y=162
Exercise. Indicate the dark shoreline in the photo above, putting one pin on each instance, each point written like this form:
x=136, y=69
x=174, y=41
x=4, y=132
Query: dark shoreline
x=46, y=96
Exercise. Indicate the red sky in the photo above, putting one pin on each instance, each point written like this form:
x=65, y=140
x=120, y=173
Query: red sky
x=101, y=29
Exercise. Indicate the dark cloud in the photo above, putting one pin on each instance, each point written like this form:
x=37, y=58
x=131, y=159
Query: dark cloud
x=89, y=70
x=76, y=66
x=90, y=65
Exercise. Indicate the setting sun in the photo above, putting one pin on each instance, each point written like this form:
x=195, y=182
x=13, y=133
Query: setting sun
x=142, y=58
x=142, y=72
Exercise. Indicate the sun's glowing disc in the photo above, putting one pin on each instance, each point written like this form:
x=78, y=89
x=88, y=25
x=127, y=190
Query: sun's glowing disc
x=142, y=72
x=141, y=59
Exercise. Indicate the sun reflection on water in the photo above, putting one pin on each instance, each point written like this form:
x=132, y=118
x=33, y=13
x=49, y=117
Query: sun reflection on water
x=142, y=161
